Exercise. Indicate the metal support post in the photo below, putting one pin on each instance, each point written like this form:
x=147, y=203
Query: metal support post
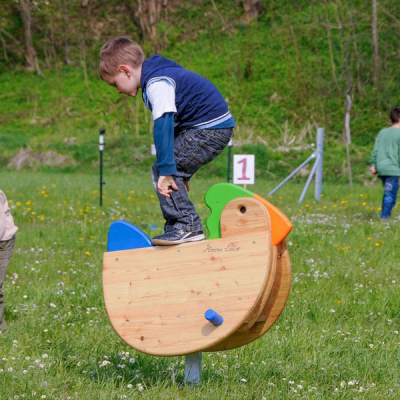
x=314, y=168
x=193, y=368
x=292, y=174
x=101, y=149
x=229, y=160
x=318, y=172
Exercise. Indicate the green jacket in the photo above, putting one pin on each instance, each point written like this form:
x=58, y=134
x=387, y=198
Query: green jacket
x=386, y=154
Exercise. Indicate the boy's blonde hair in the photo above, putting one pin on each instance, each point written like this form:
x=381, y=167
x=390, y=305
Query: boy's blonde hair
x=119, y=51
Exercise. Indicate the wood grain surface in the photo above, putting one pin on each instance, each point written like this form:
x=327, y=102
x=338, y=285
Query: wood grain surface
x=156, y=297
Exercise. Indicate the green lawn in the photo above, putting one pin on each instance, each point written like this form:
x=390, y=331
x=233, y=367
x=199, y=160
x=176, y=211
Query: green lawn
x=338, y=336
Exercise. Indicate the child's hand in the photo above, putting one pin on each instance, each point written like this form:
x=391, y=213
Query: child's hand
x=373, y=170
x=166, y=185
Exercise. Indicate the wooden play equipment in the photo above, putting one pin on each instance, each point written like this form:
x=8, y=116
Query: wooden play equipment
x=212, y=295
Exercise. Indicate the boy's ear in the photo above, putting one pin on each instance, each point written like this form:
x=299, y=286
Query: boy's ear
x=124, y=69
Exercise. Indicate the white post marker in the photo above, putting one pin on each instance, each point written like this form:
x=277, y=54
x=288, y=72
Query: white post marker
x=243, y=169
x=101, y=140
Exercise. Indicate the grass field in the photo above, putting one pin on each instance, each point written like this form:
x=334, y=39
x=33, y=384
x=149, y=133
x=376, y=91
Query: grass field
x=338, y=336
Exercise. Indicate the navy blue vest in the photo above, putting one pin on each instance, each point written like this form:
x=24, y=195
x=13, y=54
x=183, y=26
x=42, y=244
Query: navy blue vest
x=198, y=101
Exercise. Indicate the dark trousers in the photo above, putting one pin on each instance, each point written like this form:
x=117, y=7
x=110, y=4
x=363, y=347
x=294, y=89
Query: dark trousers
x=391, y=186
x=193, y=148
x=6, y=252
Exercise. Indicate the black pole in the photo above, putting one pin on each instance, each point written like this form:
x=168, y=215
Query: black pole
x=101, y=148
x=229, y=161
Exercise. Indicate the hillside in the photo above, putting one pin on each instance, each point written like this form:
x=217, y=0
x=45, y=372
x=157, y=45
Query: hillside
x=284, y=74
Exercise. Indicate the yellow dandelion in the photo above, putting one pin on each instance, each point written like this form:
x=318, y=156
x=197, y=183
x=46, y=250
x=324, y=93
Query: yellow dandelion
x=88, y=253
x=368, y=238
x=80, y=238
x=132, y=192
x=18, y=204
x=377, y=244
x=364, y=204
x=34, y=213
x=28, y=203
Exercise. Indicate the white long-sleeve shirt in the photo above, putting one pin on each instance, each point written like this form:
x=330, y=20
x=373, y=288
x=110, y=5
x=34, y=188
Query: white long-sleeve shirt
x=7, y=227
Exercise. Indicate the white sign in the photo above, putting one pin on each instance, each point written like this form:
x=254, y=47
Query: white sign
x=243, y=169
x=101, y=142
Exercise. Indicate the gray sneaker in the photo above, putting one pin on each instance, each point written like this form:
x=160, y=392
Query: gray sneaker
x=177, y=236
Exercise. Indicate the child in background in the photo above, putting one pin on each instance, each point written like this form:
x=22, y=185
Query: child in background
x=385, y=161
x=192, y=125
x=7, y=241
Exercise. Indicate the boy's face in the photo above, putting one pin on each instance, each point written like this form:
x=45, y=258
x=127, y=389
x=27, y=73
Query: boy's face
x=126, y=81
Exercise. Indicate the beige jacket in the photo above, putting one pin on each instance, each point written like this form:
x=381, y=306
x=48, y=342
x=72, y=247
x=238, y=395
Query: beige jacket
x=7, y=227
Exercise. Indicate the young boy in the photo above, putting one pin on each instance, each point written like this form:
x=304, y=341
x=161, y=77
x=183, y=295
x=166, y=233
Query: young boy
x=192, y=125
x=7, y=240
x=385, y=161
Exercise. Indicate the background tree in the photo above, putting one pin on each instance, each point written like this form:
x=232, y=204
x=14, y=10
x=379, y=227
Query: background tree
x=30, y=53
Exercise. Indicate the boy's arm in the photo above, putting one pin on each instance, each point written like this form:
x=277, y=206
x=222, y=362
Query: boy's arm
x=373, y=156
x=164, y=142
x=161, y=94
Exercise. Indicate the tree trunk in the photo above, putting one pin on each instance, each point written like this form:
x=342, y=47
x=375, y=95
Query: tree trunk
x=348, y=134
x=66, y=44
x=149, y=14
x=330, y=45
x=252, y=9
x=25, y=11
x=376, y=49
x=30, y=54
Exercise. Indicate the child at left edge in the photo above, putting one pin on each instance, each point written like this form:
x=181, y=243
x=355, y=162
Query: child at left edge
x=192, y=125
x=7, y=242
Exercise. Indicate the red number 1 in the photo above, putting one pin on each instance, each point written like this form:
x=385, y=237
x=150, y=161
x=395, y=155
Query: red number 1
x=244, y=177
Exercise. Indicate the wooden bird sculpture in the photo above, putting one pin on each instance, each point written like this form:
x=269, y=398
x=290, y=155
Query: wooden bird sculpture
x=211, y=295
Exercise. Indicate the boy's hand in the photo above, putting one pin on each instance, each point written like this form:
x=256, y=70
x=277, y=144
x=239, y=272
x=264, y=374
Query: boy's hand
x=166, y=185
x=373, y=170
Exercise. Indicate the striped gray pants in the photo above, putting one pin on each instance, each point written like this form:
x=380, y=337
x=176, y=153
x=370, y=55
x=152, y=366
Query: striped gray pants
x=6, y=252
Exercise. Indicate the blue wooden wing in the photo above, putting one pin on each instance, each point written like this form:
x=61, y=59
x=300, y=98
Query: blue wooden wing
x=123, y=235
